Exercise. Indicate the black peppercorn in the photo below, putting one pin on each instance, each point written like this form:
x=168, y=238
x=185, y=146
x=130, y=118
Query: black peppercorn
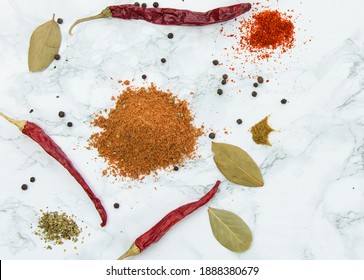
x=219, y=91
x=144, y=5
x=255, y=85
x=61, y=114
x=260, y=80
x=254, y=93
x=69, y=124
x=175, y=168
x=136, y=4
x=215, y=62
x=116, y=205
x=239, y=121
x=212, y=135
x=144, y=77
x=32, y=179
x=57, y=57
x=223, y=82
x=59, y=21
x=284, y=101
x=155, y=4
x=225, y=76
x=24, y=187
x=163, y=60
x=31, y=111
x=170, y=35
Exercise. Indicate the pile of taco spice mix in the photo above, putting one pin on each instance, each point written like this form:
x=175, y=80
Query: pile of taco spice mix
x=147, y=130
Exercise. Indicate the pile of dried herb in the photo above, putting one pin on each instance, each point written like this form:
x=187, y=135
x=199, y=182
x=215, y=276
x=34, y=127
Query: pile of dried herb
x=57, y=227
x=147, y=130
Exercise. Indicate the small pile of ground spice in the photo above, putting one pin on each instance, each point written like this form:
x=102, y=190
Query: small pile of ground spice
x=267, y=31
x=57, y=227
x=261, y=131
x=147, y=130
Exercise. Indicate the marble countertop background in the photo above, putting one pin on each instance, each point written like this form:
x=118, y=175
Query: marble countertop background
x=312, y=204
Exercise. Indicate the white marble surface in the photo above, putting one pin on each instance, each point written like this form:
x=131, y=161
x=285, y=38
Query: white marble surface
x=312, y=204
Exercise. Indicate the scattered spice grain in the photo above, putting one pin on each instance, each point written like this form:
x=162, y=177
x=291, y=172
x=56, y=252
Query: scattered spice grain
x=175, y=168
x=170, y=35
x=59, y=21
x=144, y=5
x=212, y=135
x=147, y=130
x=61, y=114
x=261, y=131
x=24, y=187
x=225, y=76
x=219, y=91
x=260, y=80
x=284, y=101
x=57, y=57
x=254, y=93
x=163, y=60
x=136, y=4
x=144, y=77
x=32, y=179
x=215, y=62
x=255, y=85
x=239, y=121
x=116, y=205
x=155, y=4
x=69, y=124
x=223, y=82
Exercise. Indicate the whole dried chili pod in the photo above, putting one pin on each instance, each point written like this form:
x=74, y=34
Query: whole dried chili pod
x=39, y=136
x=164, y=225
x=170, y=16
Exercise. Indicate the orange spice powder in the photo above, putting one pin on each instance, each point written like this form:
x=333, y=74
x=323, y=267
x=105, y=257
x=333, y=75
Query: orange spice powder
x=147, y=130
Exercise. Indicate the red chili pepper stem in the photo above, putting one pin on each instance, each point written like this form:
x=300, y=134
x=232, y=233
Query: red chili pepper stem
x=19, y=124
x=166, y=223
x=104, y=14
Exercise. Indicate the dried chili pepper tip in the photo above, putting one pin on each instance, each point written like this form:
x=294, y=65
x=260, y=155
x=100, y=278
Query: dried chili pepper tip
x=144, y=77
x=284, y=101
x=24, y=187
x=155, y=4
x=69, y=124
x=136, y=4
x=57, y=57
x=239, y=121
x=255, y=85
x=260, y=80
x=32, y=179
x=170, y=35
x=163, y=60
x=219, y=91
x=212, y=135
x=61, y=114
x=59, y=21
x=254, y=93
x=116, y=205
x=225, y=76
x=144, y=5
x=175, y=168
x=215, y=62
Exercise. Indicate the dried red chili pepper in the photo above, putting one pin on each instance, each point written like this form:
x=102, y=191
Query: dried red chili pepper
x=157, y=231
x=38, y=135
x=169, y=16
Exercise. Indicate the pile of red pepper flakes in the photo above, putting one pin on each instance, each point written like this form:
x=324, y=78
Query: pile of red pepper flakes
x=267, y=34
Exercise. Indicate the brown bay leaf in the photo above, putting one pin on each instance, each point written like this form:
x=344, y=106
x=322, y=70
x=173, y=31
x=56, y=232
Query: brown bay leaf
x=44, y=45
x=230, y=230
x=236, y=165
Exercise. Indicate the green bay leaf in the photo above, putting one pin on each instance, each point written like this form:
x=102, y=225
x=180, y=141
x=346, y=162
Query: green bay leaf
x=230, y=230
x=236, y=165
x=44, y=45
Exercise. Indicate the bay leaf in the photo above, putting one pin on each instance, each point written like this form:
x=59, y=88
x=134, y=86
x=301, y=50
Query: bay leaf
x=44, y=45
x=230, y=230
x=236, y=165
